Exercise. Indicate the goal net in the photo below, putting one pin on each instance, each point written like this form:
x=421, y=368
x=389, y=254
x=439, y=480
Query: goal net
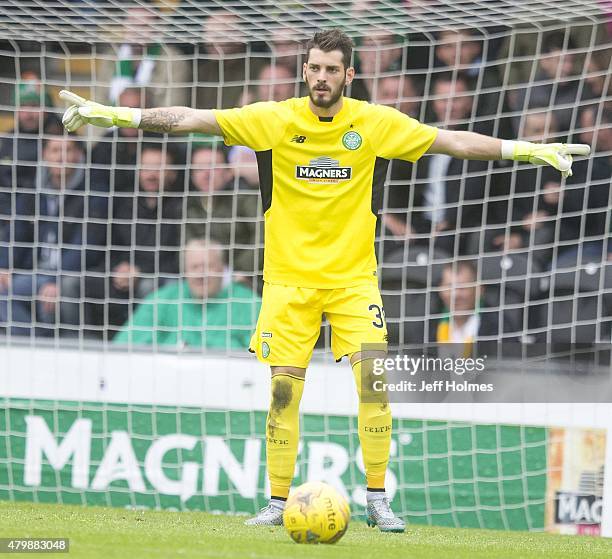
x=131, y=263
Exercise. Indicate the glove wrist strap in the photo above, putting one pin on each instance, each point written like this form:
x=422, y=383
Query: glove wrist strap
x=507, y=149
x=515, y=150
x=126, y=117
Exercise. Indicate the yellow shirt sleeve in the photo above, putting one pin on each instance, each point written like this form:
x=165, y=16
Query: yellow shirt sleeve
x=258, y=126
x=400, y=136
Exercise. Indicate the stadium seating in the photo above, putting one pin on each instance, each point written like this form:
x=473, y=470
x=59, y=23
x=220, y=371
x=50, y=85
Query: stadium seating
x=576, y=308
x=406, y=281
x=512, y=282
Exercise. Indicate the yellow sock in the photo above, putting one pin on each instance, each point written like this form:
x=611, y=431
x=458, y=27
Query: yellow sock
x=374, y=425
x=283, y=432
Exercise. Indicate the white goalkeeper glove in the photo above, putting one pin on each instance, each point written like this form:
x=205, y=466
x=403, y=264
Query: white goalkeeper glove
x=82, y=111
x=557, y=155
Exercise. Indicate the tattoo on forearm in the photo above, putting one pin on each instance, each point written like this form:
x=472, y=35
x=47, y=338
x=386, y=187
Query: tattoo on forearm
x=160, y=120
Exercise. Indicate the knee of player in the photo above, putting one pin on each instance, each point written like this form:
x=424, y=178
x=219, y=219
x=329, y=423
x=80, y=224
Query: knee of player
x=282, y=393
x=286, y=392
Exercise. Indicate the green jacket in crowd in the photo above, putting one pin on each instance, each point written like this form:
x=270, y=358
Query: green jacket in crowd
x=171, y=317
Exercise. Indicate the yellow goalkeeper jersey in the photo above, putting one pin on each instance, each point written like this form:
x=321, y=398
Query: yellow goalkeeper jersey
x=321, y=181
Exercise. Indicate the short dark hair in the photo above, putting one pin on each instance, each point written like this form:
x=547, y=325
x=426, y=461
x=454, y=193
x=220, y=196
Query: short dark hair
x=453, y=77
x=209, y=146
x=332, y=39
x=473, y=34
x=459, y=265
x=159, y=146
x=70, y=136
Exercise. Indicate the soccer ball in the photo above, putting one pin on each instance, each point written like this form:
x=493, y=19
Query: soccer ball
x=316, y=513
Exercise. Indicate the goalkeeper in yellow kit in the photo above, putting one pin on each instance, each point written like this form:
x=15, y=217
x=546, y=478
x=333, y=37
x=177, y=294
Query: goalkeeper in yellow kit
x=322, y=166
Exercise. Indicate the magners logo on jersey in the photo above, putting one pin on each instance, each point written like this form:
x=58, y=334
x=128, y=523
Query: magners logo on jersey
x=323, y=170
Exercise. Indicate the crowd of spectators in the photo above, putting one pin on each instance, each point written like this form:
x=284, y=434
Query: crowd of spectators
x=162, y=240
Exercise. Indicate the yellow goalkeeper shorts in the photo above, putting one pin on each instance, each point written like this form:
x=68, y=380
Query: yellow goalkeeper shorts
x=289, y=322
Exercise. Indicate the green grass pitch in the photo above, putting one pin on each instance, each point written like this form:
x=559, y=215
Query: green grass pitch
x=108, y=533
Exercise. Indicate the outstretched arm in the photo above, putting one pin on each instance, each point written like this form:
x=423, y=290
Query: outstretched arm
x=470, y=145
x=466, y=145
x=178, y=120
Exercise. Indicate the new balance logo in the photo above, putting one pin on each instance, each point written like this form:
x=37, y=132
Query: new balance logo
x=298, y=139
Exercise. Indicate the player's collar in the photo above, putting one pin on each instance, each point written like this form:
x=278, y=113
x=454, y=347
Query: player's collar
x=338, y=117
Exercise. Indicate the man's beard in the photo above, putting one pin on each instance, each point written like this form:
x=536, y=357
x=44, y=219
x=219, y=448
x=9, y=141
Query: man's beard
x=334, y=97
